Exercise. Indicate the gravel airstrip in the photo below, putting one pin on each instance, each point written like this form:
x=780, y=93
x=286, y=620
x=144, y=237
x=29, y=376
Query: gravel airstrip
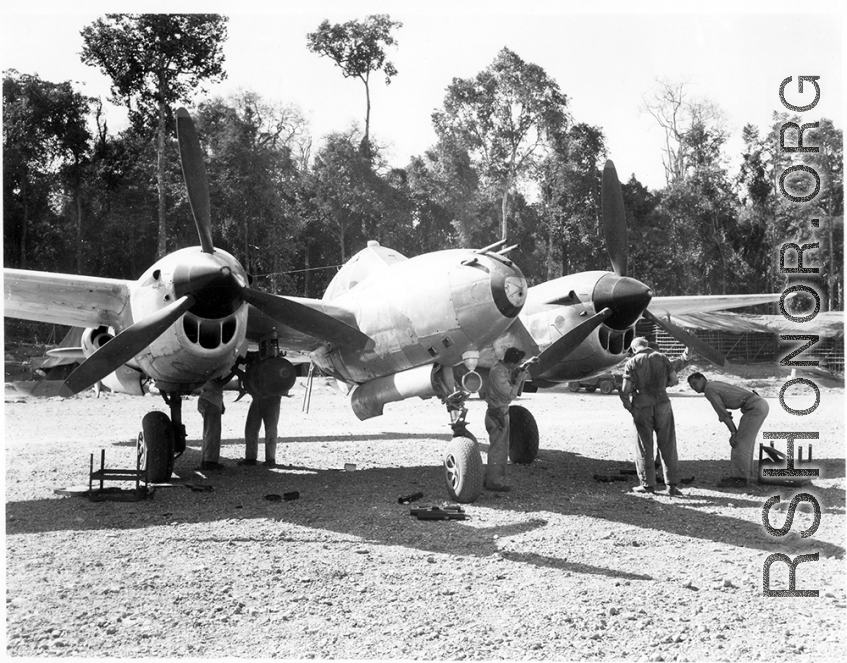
x=563, y=567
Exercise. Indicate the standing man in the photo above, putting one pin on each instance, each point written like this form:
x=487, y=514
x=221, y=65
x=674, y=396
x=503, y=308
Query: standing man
x=742, y=439
x=647, y=376
x=262, y=410
x=504, y=383
x=211, y=406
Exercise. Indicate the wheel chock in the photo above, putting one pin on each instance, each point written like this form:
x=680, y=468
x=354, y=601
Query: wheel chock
x=439, y=513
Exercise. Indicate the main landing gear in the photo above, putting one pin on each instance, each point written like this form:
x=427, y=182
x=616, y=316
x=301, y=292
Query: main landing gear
x=161, y=440
x=464, y=472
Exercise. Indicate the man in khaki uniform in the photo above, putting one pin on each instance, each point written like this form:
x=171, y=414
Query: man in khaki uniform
x=647, y=376
x=504, y=383
x=210, y=404
x=742, y=439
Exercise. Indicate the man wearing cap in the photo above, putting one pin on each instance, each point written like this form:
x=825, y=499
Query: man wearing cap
x=504, y=383
x=742, y=439
x=647, y=376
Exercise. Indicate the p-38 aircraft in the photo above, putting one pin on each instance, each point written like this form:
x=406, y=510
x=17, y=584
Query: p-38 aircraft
x=189, y=317
x=388, y=326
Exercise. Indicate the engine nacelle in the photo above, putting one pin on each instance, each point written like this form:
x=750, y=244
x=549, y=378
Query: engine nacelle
x=95, y=338
x=273, y=376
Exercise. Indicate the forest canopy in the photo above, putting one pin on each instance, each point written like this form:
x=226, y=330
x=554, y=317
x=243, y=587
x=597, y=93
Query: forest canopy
x=509, y=156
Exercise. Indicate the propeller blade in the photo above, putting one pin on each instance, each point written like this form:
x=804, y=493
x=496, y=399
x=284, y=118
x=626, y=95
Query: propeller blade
x=567, y=344
x=194, y=173
x=614, y=219
x=700, y=347
x=305, y=319
x=124, y=346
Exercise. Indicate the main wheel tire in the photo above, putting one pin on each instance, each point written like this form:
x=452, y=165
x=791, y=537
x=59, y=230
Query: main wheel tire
x=607, y=387
x=156, y=446
x=523, y=435
x=463, y=470
x=573, y=386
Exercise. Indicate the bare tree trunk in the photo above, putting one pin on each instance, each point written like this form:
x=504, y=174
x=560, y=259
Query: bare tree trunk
x=307, y=279
x=25, y=225
x=160, y=159
x=78, y=228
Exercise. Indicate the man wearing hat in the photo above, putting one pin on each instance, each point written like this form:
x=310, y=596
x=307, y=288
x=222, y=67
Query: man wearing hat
x=504, y=383
x=647, y=376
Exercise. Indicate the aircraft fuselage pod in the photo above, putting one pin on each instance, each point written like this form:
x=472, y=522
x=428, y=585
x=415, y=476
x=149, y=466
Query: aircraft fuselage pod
x=206, y=341
x=429, y=309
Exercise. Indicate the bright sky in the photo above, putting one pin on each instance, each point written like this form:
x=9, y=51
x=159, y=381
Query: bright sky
x=605, y=57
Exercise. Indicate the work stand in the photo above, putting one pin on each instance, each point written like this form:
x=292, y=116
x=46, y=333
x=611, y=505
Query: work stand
x=116, y=494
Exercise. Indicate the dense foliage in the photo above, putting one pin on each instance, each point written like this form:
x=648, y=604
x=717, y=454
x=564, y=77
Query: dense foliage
x=79, y=198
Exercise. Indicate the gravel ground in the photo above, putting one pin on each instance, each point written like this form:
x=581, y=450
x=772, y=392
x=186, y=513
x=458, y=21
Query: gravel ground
x=563, y=567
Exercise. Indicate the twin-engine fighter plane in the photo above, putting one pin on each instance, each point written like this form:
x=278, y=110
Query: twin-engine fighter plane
x=389, y=326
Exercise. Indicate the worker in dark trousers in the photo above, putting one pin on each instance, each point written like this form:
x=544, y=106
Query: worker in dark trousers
x=742, y=438
x=262, y=411
x=647, y=376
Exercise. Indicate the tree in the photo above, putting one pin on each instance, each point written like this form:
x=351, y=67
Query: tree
x=358, y=49
x=570, y=179
x=155, y=60
x=342, y=180
x=504, y=118
x=253, y=180
x=45, y=145
x=679, y=116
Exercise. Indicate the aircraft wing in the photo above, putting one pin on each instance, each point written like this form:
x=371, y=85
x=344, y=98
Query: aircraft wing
x=664, y=306
x=64, y=299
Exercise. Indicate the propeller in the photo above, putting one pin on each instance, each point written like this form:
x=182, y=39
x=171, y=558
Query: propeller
x=124, y=346
x=306, y=320
x=194, y=173
x=614, y=219
x=567, y=344
x=615, y=233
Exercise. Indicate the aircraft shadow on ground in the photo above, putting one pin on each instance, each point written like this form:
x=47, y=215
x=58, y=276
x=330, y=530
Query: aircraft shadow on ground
x=369, y=497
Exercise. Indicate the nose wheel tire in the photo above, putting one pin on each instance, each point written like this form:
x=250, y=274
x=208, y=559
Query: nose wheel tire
x=463, y=470
x=156, y=447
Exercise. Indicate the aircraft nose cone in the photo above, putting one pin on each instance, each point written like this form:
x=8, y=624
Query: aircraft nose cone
x=626, y=297
x=508, y=287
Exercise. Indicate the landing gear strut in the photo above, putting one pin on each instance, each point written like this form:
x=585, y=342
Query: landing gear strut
x=463, y=469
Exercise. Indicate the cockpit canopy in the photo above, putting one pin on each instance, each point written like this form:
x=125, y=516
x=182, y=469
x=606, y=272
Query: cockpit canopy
x=370, y=260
